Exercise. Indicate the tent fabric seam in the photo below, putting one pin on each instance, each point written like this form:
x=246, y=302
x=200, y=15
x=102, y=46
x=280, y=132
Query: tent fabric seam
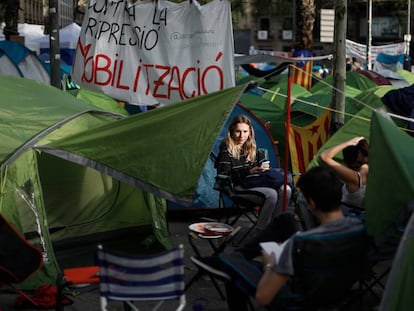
x=113, y=173
x=32, y=142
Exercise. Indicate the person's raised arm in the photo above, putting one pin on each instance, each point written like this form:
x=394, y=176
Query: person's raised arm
x=345, y=173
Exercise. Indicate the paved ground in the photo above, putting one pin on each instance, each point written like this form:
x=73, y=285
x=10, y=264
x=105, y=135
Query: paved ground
x=202, y=291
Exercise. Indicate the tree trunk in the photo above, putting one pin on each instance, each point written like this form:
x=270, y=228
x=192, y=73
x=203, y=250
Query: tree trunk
x=305, y=19
x=11, y=18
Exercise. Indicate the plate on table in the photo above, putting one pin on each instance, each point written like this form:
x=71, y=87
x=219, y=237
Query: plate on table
x=198, y=227
x=209, y=236
x=217, y=228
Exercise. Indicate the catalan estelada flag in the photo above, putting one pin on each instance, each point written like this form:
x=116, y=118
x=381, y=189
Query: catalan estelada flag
x=305, y=141
x=302, y=71
x=303, y=75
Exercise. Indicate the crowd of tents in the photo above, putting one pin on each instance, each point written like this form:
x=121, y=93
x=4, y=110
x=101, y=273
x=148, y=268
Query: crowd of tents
x=30, y=58
x=88, y=167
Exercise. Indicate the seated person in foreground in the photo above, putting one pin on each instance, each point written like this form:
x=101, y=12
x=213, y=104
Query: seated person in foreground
x=239, y=157
x=322, y=191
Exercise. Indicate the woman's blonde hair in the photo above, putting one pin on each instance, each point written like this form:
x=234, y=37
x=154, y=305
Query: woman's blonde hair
x=249, y=147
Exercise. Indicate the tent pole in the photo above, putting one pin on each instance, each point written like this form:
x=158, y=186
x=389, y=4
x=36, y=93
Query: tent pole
x=287, y=133
x=54, y=44
x=369, y=34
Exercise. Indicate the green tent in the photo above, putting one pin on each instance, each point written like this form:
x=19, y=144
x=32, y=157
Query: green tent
x=355, y=82
x=115, y=166
x=186, y=131
x=98, y=100
x=48, y=200
x=398, y=289
x=390, y=189
x=391, y=182
x=277, y=94
x=307, y=106
x=407, y=75
x=391, y=173
x=359, y=124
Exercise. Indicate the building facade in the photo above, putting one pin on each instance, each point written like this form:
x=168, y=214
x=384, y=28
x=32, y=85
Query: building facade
x=31, y=12
x=36, y=12
x=272, y=24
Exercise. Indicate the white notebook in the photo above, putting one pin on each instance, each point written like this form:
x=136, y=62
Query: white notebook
x=273, y=247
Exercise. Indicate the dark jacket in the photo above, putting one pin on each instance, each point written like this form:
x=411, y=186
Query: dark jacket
x=237, y=169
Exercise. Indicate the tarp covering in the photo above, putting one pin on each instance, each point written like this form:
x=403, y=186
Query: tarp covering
x=171, y=145
x=387, y=65
x=99, y=100
x=28, y=109
x=50, y=200
x=376, y=77
x=68, y=37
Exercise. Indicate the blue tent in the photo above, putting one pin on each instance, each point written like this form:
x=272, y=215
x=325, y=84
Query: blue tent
x=206, y=196
x=26, y=62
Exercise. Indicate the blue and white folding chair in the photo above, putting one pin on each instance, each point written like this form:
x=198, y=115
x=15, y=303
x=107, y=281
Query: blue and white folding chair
x=156, y=277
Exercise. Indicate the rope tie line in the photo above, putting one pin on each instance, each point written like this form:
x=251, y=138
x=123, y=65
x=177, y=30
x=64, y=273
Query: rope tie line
x=332, y=109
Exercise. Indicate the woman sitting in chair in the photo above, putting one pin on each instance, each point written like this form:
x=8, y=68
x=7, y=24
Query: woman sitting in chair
x=239, y=157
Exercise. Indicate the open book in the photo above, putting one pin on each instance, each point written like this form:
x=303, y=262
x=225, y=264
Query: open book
x=273, y=247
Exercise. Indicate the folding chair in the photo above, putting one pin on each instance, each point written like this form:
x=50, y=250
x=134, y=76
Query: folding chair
x=18, y=259
x=383, y=249
x=243, y=202
x=126, y=278
x=327, y=267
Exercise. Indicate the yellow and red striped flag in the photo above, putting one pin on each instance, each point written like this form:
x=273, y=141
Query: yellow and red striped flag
x=302, y=75
x=305, y=141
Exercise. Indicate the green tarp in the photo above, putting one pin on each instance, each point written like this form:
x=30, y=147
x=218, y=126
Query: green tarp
x=407, y=75
x=390, y=183
x=308, y=105
x=170, y=145
x=112, y=161
x=359, y=124
x=49, y=200
x=390, y=188
x=99, y=100
x=398, y=294
x=355, y=82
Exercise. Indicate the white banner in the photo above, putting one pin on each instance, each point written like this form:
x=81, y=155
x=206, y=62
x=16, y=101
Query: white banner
x=155, y=51
x=358, y=50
